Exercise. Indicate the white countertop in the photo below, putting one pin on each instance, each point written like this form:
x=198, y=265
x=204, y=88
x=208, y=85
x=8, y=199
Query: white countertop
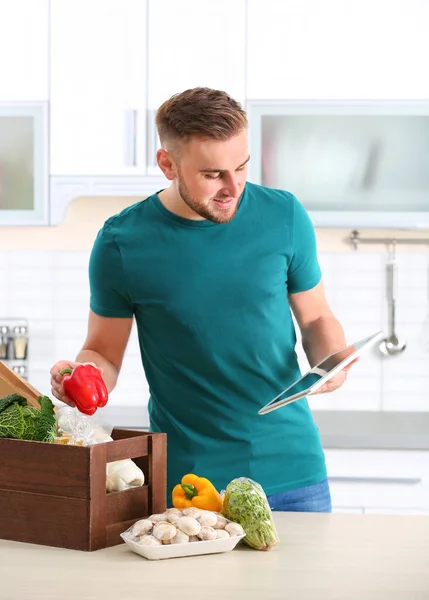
x=319, y=557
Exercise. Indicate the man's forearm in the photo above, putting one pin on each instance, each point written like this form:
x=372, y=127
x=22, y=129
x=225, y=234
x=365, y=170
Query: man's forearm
x=322, y=337
x=109, y=371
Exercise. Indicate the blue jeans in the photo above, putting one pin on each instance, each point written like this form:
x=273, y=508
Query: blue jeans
x=312, y=498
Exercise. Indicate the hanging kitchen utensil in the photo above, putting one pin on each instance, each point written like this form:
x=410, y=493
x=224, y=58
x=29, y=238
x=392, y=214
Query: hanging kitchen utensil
x=391, y=345
x=424, y=331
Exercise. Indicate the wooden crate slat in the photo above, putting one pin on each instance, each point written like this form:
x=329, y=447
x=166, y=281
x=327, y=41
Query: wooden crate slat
x=127, y=505
x=120, y=434
x=127, y=448
x=157, y=473
x=113, y=532
x=44, y=519
x=97, y=494
x=44, y=468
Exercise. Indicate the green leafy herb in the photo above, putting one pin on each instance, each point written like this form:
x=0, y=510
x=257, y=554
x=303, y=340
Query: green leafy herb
x=245, y=503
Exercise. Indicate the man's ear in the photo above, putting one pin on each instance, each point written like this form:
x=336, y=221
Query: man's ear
x=166, y=163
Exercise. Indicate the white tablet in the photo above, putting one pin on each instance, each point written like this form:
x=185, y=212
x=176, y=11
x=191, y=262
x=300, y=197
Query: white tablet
x=319, y=374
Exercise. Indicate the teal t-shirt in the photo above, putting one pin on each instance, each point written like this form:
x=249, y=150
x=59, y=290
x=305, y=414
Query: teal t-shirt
x=216, y=334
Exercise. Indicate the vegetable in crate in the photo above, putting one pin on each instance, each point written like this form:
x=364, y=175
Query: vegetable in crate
x=245, y=503
x=20, y=421
x=196, y=491
x=85, y=386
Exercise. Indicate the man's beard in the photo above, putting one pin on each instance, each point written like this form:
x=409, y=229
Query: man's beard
x=204, y=211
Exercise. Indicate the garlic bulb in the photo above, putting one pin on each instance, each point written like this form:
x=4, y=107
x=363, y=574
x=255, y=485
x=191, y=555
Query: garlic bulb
x=188, y=525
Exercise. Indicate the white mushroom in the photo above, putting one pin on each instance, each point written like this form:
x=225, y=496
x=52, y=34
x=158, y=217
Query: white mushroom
x=158, y=517
x=141, y=527
x=234, y=529
x=173, y=511
x=207, y=518
x=188, y=525
x=148, y=540
x=221, y=533
x=207, y=533
x=220, y=522
x=164, y=530
x=180, y=538
x=194, y=538
x=191, y=511
x=173, y=518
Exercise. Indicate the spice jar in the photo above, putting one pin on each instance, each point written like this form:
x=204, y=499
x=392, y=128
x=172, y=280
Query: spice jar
x=4, y=341
x=20, y=342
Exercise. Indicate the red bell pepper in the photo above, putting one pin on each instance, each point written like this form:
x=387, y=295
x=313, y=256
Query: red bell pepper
x=85, y=386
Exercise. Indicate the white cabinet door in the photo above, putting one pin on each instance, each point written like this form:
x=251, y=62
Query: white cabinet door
x=379, y=479
x=193, y=43
x=308, y=49
x=98, y=86
x=24, y=42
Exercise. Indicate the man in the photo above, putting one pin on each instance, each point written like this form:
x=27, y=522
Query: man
x=212, y=269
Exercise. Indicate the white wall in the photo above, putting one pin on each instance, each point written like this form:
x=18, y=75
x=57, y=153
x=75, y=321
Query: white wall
x=43, y=271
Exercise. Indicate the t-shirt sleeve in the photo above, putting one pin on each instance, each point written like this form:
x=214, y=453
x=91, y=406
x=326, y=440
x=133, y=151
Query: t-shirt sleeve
x=109, y=296
x=304, y=271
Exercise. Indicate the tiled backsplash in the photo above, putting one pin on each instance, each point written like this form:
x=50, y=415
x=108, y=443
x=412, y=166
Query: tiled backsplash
x=50, y=289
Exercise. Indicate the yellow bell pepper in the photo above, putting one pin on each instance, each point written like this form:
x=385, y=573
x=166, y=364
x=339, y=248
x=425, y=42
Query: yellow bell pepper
x=198, y=492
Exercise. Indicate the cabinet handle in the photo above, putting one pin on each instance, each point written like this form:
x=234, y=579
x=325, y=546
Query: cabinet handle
x=131, y=138
x=152, y=140
x=403, y=480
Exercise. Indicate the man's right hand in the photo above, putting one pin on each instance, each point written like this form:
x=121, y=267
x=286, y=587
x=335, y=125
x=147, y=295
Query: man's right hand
x=56, y=380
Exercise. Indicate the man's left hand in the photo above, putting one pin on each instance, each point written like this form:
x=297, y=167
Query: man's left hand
x=336, y=381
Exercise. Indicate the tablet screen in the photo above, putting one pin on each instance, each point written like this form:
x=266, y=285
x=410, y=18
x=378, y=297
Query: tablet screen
x=326, y=369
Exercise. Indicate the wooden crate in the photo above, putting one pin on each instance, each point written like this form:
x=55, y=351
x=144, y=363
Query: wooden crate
x=55, y=495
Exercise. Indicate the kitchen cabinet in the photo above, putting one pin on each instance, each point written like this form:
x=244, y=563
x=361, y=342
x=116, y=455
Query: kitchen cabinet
x=24, y=50
x=113, y=63
x=307, y=49
x=193, y=43
x=98, y=87
x=379, y=481
x=352, y=164
x=23, y=163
